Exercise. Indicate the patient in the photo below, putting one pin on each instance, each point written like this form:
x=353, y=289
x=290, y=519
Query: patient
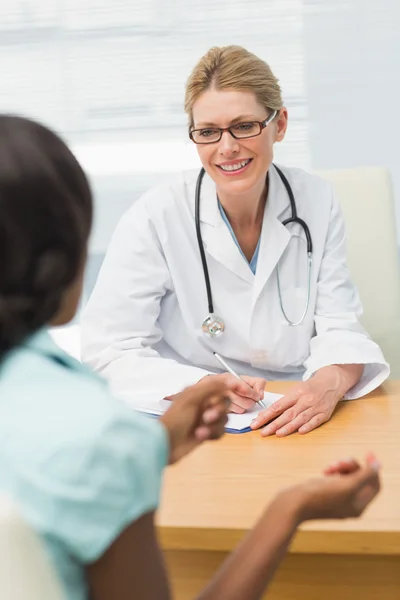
x=85, y=470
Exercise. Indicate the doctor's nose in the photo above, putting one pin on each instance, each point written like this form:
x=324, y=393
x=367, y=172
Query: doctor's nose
x=228, y=145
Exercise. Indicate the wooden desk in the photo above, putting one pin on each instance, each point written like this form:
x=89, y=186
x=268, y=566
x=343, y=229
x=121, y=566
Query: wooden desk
x=213, y=497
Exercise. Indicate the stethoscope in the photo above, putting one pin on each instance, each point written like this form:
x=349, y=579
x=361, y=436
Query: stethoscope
x=213, y=325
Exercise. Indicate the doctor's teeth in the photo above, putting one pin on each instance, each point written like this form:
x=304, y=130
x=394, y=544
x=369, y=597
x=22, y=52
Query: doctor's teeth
x=235, y=166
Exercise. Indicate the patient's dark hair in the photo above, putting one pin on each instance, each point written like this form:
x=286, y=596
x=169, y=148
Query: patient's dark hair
x=45, y=221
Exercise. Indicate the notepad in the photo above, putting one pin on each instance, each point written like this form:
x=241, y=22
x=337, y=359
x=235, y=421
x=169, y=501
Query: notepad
x=241, y=423
x=236, y=423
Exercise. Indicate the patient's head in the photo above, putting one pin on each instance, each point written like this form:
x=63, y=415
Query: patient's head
x=45, y=221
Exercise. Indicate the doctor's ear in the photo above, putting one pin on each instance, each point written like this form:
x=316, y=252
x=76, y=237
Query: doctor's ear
x=281, y=123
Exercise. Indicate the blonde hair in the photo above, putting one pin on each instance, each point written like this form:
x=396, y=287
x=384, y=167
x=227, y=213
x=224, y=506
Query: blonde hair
x=233, y=67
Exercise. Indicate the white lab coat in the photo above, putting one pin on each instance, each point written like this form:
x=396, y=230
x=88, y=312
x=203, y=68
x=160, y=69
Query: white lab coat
x=142, y=326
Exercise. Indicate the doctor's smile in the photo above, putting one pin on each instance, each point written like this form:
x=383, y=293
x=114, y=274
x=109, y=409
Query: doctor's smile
x=244, y=259
x=234, y=167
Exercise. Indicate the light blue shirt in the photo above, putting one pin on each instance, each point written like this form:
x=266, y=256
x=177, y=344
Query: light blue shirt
x=253, y=263
x=80, y=465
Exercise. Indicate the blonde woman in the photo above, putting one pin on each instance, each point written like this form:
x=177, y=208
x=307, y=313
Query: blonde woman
x=246, y=259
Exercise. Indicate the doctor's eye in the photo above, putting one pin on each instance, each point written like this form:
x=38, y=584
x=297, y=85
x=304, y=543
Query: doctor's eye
x=207, y=133
x=246, y=128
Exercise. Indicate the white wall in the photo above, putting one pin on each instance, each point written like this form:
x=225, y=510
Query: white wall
x=352, y=57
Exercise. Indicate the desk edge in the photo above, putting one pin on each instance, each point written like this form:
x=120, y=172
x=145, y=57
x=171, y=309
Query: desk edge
x=305, y=541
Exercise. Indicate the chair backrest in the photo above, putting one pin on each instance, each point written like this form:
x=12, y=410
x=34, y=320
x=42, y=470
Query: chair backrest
x=366, y=197
x=25, y=569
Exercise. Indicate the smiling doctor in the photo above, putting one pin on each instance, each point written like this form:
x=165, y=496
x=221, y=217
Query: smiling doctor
x=246, y=259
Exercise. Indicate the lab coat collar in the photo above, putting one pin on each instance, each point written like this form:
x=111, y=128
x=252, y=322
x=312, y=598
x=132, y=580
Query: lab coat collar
x=209, y=211
x=218, y=240
x=278, y=201
x=275, y=236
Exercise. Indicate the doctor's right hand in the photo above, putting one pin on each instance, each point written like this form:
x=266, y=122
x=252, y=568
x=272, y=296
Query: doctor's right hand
x=197, y=414
x=243, y=393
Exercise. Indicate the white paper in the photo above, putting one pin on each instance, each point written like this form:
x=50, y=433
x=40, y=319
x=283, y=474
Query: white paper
x=235, y=421
x=239, y=422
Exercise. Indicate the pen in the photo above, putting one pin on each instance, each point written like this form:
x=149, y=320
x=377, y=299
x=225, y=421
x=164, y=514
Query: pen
x=225, y=365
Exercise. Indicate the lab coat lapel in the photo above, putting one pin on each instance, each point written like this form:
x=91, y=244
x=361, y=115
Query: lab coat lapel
x=217, y=239
x=274, y=236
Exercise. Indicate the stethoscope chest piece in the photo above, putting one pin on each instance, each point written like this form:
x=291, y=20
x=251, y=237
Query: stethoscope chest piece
x=213, y=325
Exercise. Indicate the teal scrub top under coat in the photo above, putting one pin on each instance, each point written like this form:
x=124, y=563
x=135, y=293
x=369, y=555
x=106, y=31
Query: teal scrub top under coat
x=79, y=464
x=253, y=263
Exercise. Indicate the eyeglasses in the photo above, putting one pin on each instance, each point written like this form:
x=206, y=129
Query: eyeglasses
x=239, y=131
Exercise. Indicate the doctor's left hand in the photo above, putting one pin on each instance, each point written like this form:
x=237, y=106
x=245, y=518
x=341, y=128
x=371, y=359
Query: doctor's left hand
x=304, y=408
